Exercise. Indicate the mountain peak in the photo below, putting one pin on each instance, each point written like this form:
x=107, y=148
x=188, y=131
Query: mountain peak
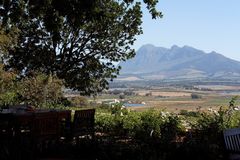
x=147, y=46
x=174, y=47
x=188, y=47
x=213, y=52
x=178, y=61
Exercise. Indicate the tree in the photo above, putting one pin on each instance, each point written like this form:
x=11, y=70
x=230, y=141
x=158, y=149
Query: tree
x=8, y=88
x=122, y=96
x=41, y=89
x=8, y=40
x=195, y=96
x=77, y=40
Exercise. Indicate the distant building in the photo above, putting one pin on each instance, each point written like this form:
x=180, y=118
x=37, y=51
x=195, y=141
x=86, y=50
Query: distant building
x=109, y=101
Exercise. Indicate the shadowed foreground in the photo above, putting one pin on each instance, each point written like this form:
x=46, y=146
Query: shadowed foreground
x=117, y=149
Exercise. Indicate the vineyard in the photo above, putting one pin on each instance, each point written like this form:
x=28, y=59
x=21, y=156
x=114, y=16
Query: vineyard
x=155, y=134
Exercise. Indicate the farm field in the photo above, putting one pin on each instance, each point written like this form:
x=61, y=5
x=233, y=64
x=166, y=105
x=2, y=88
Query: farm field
x=175, y=99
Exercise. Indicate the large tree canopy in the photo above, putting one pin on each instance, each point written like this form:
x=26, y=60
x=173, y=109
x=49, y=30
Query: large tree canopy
x=77, y=40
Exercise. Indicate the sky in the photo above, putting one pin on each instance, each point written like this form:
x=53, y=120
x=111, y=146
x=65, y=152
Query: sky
x=208, y=25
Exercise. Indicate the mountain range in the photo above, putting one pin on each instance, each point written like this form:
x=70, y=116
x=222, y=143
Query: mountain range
x=151, y=63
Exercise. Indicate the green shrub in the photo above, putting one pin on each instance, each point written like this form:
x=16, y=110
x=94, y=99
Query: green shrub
x=118, y=109
x=79, y=101
x=9, y=98
x=155, y=132
x=104, y=122
x=171, y=128
x=65, y=102
x=144, y=126
x=131, y=123
x=189, y=113
x=149, y=127
x=195, y=96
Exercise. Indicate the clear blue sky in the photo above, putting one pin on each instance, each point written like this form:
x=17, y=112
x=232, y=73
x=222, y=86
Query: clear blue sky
x=208, y=25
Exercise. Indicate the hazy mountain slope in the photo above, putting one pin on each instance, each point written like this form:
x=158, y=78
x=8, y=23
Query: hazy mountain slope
x=158, y=62
x=211, y=63
x=145, y=60
x=150, y=58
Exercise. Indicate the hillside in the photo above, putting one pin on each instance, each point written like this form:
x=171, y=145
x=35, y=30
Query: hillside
x=185, y=62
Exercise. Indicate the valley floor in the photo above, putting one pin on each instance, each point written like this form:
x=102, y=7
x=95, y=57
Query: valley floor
x=175, y=99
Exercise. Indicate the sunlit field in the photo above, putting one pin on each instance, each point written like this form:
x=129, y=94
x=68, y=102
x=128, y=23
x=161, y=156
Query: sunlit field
x=175, y=99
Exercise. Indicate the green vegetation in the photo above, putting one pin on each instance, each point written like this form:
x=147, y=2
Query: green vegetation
x=174, y=97
x=195, y=96
x=163, y=135
x=39, y=90
x=78, y=43
x=44, y=46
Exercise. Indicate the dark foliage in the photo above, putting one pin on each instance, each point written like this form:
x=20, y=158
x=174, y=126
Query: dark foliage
x=78, y=41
